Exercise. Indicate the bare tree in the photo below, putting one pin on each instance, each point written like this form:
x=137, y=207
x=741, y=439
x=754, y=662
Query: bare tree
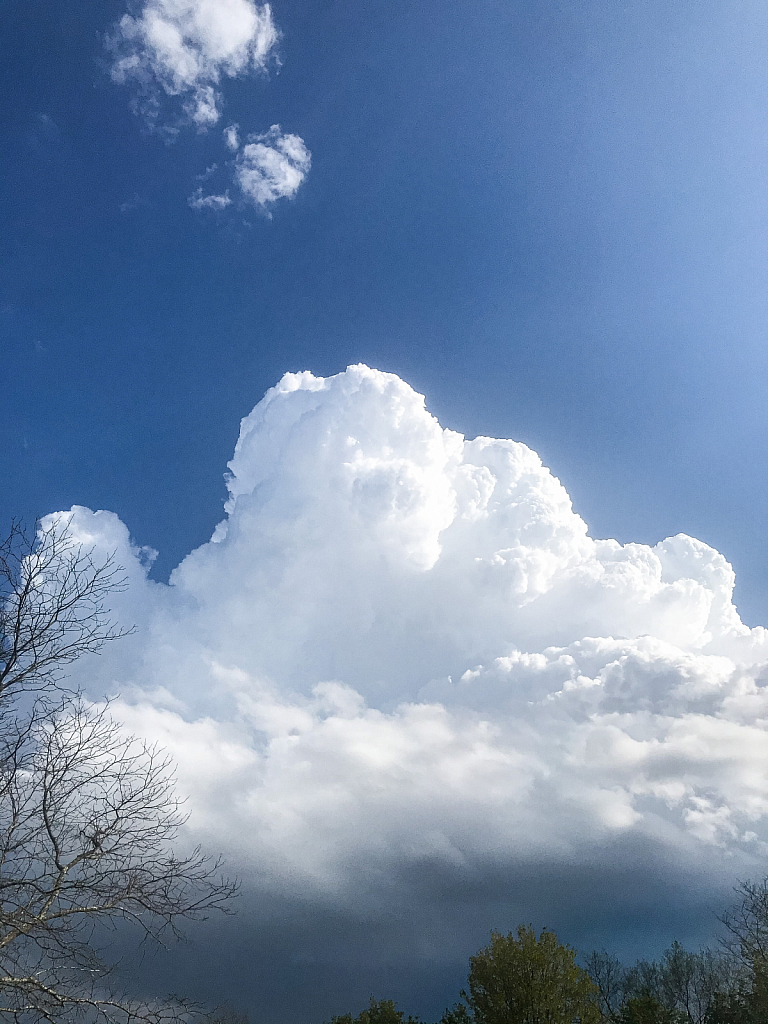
x=691, y=982
x=747, y=925
x=685, y=985
x=52, y=606
x=610, y=977
x=87, y=814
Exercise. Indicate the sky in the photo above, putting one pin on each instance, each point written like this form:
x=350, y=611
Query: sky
x=419, y=683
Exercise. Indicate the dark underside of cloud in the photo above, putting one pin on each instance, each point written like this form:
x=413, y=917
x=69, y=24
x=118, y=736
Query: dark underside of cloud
x=284, y=960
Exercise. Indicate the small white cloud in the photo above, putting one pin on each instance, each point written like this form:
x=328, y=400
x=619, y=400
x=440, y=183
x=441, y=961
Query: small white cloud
x=269, y=167
x=203, y=108
x=185, y=47
x=213, y=202
x=207, y=173
x=272, y=166
x=231, y=138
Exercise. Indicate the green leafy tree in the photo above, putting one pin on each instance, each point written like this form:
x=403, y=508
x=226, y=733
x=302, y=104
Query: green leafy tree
x=529, y=980
x=731, y=1008
x=745, y=1004
x=458, y=1014
x=759, y=993
x=383, y=1011
x=649, y=1010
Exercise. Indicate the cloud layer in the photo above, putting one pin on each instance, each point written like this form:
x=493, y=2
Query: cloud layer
x=402, y=647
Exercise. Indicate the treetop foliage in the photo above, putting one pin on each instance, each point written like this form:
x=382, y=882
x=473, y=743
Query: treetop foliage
x=378, y=1012
x=529, y=980
x=523, y=978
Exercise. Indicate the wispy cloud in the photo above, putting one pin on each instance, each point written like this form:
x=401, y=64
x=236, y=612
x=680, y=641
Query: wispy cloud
x=210, y=202
x=232, y=138
x=184, y=48
x=133, y=203
x=207, y=173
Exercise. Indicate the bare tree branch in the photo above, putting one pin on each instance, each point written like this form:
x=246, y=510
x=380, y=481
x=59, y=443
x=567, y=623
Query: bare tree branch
x=52, y=605
x=88, y=815
x=747, y=925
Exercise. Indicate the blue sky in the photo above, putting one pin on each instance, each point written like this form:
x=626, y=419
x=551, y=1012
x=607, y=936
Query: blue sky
x=549, y=218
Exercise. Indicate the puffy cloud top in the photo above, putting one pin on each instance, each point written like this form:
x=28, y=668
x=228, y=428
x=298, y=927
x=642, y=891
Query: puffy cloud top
x=186, y=46
x=401, y=644
x=183, y=48
x=271, y=166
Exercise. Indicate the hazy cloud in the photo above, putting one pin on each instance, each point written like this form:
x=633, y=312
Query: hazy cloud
x=43, y=135
x=232, y=138
x=207, y=173
x=133, y=203
x=402, y=647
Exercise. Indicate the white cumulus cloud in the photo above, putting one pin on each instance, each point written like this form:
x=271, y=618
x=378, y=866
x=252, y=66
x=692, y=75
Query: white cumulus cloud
x=268, y=167
x=185, y=48
x=272, y=166
x=403, y=647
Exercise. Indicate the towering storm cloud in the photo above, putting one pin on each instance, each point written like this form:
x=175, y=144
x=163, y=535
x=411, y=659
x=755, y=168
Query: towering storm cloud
x=403, y=647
